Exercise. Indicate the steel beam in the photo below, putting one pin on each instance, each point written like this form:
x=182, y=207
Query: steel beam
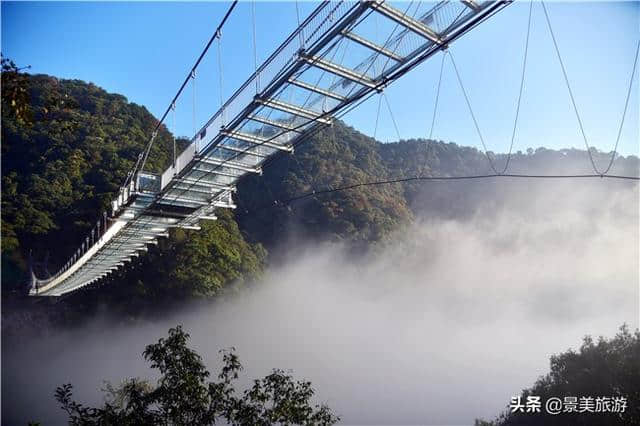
x=193, y=188
x=404, y=20
x=316, y=89
x=207, y=183
x=187, y=200
x=294, y=110
x=242, y=151
x=214, y=171
x=245, y=137
x=471, y=4
x=229, y=164
x=273, y=123
x=370, y=45
x=340, y=71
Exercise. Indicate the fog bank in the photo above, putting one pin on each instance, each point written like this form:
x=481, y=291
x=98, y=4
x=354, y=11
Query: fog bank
x=440, y=326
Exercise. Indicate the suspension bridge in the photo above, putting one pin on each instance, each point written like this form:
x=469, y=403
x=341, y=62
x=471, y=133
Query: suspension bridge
x=302, y=86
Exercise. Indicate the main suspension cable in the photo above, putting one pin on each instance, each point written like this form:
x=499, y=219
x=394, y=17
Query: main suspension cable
x=139, y=166
x=173, y=133
x=315, y=193
x=221, y=89
x=255, y=49
x=193, y=110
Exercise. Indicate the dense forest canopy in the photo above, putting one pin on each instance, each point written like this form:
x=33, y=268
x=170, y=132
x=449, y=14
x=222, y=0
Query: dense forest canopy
x=64, y=154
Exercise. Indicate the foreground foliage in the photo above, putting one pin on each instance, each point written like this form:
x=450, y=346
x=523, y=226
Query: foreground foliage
x=183, y=396
x=606, y=367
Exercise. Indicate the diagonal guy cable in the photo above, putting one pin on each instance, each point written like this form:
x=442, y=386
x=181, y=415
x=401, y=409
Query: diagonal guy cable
x=524, y=68
x=393, y=119
x=573, y=101
x=518, y=103
x=473, y=116
x=433, y=118
x=375, y=130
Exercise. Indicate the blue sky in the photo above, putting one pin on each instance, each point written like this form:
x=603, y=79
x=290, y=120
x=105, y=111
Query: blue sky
x=143, y=50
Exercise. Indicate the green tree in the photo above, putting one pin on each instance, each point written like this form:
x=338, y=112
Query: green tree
x=183, y=396
x=15, y=91
x=606, y=367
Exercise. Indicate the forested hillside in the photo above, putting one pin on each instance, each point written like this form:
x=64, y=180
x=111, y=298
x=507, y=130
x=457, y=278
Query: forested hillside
x=463, y=198
x=67, y=145
x=334, y=157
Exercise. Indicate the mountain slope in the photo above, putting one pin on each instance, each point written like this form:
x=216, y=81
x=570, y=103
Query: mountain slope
x=64, y=156
x=67, y=145
x=334, y=157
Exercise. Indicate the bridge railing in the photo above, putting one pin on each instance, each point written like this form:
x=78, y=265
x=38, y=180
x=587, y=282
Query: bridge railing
x=181, y=161
x=149, y=182
x=94, y=237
